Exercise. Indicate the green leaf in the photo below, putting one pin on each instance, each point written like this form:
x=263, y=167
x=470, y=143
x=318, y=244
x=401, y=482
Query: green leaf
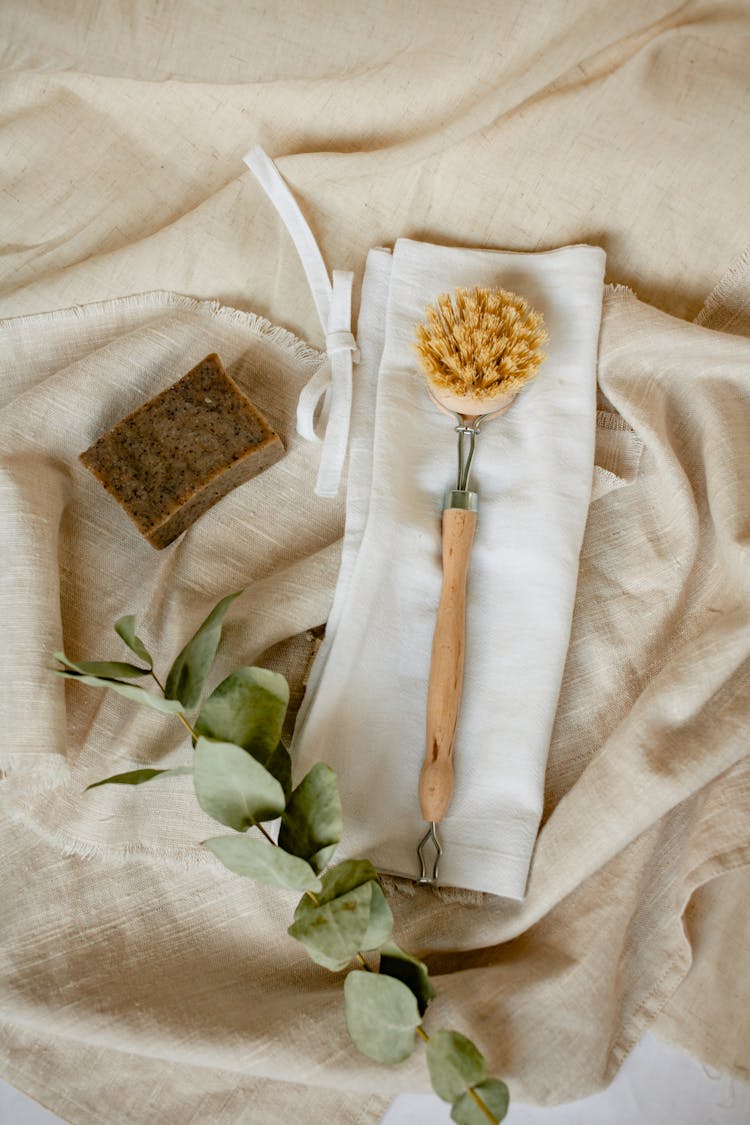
x=248, y=709
x=138, y=777
x=313, y=820
x=380, y=926
x=454, y=1064
x=332, y=932
x=495, y=1096
x=279, y=765
x=188, y=673
x=382, y=1015
x=345, y=877
x=102, y=669
x=257, y=859
x=111, y=669
x=395, y=962
x=232, y=787
x=125, y=628
x=130, y=691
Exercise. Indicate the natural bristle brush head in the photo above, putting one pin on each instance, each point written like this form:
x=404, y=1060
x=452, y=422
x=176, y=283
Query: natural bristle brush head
x=478, y=348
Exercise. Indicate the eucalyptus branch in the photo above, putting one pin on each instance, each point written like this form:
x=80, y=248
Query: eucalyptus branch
x=241, y=772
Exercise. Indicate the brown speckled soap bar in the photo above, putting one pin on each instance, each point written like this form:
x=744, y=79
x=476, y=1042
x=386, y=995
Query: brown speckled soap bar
x=176, y=455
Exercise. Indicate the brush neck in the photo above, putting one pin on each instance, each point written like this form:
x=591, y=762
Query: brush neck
x=461, y=498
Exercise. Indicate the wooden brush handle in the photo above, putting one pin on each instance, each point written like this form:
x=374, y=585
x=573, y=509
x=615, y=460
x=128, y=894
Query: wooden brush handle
x=446, y=665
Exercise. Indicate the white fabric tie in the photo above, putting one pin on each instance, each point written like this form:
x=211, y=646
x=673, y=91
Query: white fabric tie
x=330, y=389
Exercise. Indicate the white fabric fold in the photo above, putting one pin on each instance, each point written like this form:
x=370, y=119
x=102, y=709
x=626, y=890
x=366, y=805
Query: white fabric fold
x=328, y=395
x=365, y=707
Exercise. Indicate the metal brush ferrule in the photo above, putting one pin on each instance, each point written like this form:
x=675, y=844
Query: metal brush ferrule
x=461, y=498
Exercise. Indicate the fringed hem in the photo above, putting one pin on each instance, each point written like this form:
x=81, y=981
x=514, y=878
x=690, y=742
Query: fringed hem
x=616, y=290
x=719, y=309
x=163, y=298
x=70, y=846
x=33, y=773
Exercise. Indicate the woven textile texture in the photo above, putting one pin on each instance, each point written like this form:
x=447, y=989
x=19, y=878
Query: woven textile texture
x=142, y=981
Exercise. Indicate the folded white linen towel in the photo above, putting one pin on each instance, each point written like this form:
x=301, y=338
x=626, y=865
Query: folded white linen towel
x=365, y=708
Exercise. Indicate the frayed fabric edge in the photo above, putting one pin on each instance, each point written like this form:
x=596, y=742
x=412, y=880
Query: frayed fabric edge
x=70, y=846
x=719, y=310
x=677, y=968
x=616, y=290
x=33, y=773
x=164, y=298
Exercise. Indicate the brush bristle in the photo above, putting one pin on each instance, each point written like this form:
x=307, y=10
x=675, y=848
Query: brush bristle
x=481, y=342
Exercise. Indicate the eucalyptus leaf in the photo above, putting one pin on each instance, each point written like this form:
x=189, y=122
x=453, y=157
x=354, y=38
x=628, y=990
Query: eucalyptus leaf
x=395, y=962
x=102, y=669
x=319, y=861
x=259, y=860
x=279, y=765
x=188, y=673
x=382, y=1016
x=247, y=708
x=345, y=877
x=125, y=628
x=130, y=691
x=138, y=777
x=495, y=1096
x=454, y=1064
x=350, y=911
x=313, y=820
x=380, y=926
x=232, y=787
x=332, y=932
x=112, y=669
x=64, y=660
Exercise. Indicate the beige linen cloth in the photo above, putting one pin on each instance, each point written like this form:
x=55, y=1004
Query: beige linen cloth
x=142, y=981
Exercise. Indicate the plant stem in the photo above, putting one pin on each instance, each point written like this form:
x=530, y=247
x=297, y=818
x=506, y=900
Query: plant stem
x=159, y=684
x=185, y=723
x=263, y=832
x=480, y=1105
x=182, y=718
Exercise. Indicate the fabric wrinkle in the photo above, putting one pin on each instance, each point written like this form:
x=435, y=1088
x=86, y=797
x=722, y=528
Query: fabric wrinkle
x=142, y=980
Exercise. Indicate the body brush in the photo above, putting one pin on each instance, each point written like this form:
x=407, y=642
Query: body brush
x=477, y=350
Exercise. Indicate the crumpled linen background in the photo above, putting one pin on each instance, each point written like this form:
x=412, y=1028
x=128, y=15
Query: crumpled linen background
x=143, y=980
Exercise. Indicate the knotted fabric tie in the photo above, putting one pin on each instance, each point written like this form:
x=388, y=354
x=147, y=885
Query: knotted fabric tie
x=331, y=383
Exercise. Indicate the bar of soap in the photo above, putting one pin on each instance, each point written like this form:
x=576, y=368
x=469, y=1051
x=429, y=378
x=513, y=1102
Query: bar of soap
x=171, y=459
